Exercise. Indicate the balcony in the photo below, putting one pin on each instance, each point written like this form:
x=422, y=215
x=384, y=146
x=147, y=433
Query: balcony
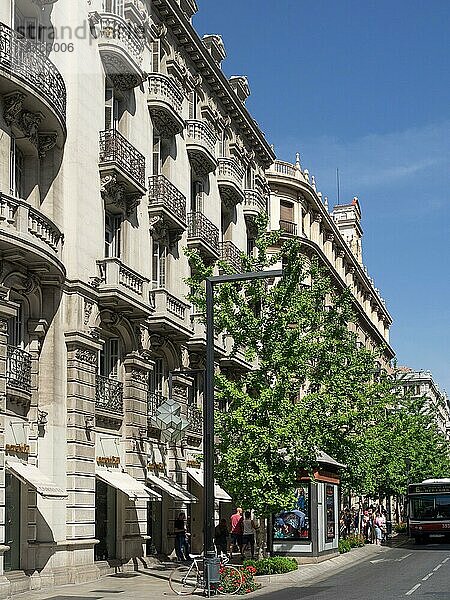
x=234, y=358
x=168, y=203
x=165, y=99
x=171, y=315
x=33, y=91
x=122, y=289
x=18, y=373
x=254, y=203
x=121, y=45
x=231, y=254
x=108, y=394
x=30, y=239
x=201, y=147
x=229, y=179
x=203, y=236
x=122, y=172
x=288, y=228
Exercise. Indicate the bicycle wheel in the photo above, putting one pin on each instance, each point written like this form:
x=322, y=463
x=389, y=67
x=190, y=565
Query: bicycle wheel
x=231, y=579
x=184, y=579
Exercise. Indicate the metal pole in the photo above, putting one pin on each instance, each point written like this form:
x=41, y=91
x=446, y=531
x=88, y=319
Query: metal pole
x=208, y=433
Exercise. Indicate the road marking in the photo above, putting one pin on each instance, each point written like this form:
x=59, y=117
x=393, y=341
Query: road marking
x=427, y=576
x=403, y=557
x=413, y=589
x=378, y=560
x=446, y=559
x=437, y=568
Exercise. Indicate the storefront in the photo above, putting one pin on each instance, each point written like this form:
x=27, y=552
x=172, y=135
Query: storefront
x=309, y=528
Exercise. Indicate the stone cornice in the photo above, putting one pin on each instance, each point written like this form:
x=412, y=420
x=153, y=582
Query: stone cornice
x=174, y=18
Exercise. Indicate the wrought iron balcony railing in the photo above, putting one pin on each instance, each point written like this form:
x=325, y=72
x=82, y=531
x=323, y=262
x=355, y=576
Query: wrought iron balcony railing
x=195, y=419
x=288, y=227
x=230, y=253
x=162, y=191
x=154, y=401
x=115, y=148
x=108, y=394
x=18, y=368
x=201, y=227
x=25, y=60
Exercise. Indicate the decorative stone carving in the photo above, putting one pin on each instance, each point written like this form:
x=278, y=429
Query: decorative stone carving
x=13, y=104
x=87, y=356
x=46, y=142
x=3, y=327
x=114, y=193
x=139, y=375
x=156, y=341
x=180, y=391
x=329, y=237
x=88, y=306
x=28, y=122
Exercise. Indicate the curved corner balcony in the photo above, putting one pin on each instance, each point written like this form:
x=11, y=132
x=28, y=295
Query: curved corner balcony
x=33, y=89
x=229, y=179
x=30, y=239
x=165, y=99
x=201, y=146
x=18, y=373
x=254, y=203
x=121, y=45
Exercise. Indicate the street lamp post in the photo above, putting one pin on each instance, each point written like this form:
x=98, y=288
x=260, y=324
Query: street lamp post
x=208, y=412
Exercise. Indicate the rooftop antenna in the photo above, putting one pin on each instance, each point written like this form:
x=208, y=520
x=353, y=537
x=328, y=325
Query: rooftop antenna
x=338, y=185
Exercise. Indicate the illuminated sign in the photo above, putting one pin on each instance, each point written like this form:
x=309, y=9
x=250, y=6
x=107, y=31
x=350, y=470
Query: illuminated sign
x=19, y=448
x=108, y=460
x=426, y=488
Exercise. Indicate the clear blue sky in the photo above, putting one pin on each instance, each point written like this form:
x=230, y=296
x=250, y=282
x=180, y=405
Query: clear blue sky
x=363, y=85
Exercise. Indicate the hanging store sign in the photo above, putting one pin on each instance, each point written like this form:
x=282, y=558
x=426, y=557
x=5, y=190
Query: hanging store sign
x=17, y=448
x=110, y=461
x=155, y=466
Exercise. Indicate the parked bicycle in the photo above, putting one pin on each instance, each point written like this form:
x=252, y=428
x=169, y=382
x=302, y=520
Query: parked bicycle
x=185, y=579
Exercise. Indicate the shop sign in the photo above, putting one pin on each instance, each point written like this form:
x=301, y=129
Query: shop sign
x=155, y=466
x=109, y=461
x=321, y=475
x=193, y=464
x=17, y=448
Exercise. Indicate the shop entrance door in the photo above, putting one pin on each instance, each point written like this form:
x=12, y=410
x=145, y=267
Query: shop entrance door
x=12, y=523
x=154, y=528
x=105, y=521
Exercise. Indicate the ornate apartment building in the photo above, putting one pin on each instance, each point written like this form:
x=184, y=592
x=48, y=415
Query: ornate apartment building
x=123, y=143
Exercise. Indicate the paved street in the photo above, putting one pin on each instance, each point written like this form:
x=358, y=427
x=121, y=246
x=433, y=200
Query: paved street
x=370, y=573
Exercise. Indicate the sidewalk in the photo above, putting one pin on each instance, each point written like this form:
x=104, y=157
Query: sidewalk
x=151, y=583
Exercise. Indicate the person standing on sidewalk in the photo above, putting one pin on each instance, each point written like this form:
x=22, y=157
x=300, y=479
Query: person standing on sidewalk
x=236, y=531
x=248, y=533
x=181, y=540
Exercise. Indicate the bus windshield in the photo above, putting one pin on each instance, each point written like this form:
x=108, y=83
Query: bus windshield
x=430, y=507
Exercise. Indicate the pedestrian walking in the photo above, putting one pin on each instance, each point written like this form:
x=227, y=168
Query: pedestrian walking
x=236, y=531
x=181, y=538
x=248, y=534
x=221, y=534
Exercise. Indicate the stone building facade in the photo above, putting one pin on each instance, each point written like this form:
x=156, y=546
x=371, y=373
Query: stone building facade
x=122, y=144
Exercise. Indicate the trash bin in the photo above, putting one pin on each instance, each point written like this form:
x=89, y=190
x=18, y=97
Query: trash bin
x=212, y=568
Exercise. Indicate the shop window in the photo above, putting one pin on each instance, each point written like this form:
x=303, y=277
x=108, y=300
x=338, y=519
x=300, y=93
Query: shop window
x=12, y=523
x=159, y=265
x=113, y=241
x=105, y=521
x=16, y=182
x=294, y=523
x=330, y=531
x=114, y=6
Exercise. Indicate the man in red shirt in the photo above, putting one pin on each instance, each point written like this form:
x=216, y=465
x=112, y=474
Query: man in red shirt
x=236, y=531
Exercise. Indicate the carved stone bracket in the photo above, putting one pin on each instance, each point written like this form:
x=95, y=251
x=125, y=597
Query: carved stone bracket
x=161, y=232
x=27, y=122
x=46, y=142
x=114, y=193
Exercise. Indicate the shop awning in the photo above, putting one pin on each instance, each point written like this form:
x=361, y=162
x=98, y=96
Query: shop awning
x=174, y=489
x=31, y=475
x=130, y=486
x=198, y=477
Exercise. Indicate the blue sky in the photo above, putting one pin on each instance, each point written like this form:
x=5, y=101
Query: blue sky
x=363, y=86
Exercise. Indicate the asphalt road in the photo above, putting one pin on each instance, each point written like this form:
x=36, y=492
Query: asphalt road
x=415, y=572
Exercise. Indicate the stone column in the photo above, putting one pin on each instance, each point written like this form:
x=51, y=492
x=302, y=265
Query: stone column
x=315, y=227
x=132, y=536
x=328, y=247
x=82, y=356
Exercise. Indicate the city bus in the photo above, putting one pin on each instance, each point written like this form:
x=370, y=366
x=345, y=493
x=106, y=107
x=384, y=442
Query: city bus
x=429, y=510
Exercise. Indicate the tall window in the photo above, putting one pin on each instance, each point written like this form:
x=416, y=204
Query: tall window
x=16, y=170
x=251, y=246
x=113, y=236
x=193, y=103
x=109, y=358
x=156, y=156
x=114, y=6
x=157, y=376
x=155, y=53
x=159, y=265
x=223, y=144
x=16, y=330
x=111, y=109
x=249, y=178
x=286, y=212
x=197, y=196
